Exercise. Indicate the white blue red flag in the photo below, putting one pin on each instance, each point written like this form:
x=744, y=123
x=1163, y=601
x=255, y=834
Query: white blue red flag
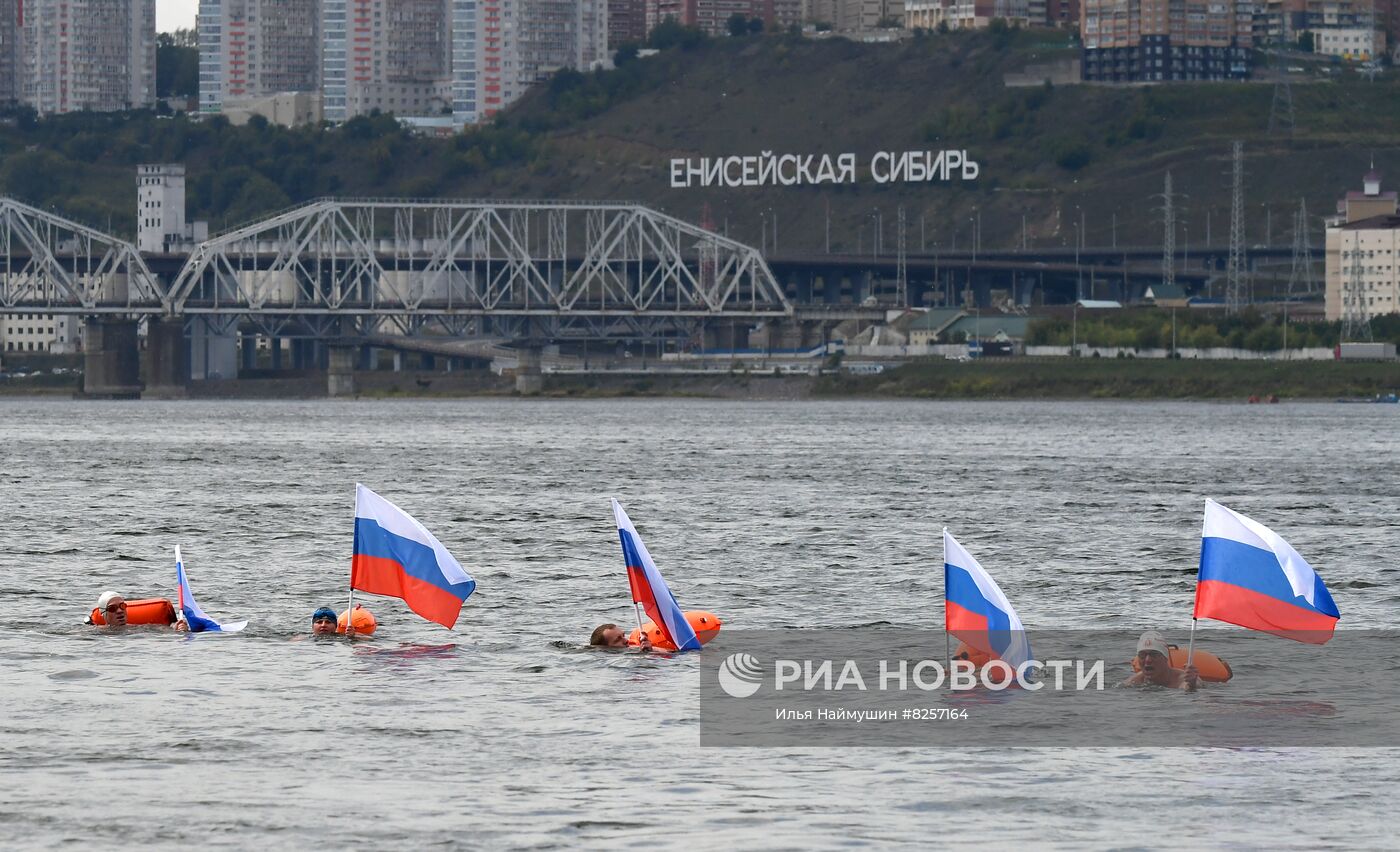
x=649, y=589
x=194, y=617
x=1251, y=577
x=976, y=611
x=396, y=556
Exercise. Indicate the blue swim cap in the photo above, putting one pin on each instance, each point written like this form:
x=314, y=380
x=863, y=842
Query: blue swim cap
x=324, y=612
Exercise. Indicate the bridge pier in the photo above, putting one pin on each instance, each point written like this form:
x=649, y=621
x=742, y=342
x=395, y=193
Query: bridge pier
x=167, y=363
x=112, y=359
x=529, y=378
x=340, y=371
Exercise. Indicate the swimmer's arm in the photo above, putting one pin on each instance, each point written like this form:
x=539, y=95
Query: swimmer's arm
x=1135, y=679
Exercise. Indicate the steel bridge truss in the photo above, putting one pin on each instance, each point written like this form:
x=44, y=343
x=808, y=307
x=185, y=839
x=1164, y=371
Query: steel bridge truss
x=50, y=264
x=546, y=269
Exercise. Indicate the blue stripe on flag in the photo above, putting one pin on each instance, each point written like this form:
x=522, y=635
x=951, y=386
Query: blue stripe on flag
x=1229, y=561
x=418, y=560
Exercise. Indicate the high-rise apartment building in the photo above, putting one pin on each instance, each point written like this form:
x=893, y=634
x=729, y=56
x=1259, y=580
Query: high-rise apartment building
x=95, y=55
x=627, y=22
x=394, y=56
x=9, y=51
x=502, y=47
x=1154, y=40
x=854, y=15
x=251, y=49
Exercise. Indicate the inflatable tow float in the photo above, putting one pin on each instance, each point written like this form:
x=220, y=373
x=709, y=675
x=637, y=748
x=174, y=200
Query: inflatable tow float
x=364, y=622
x=705, y=624
x=146, y=611
x=1212, y=668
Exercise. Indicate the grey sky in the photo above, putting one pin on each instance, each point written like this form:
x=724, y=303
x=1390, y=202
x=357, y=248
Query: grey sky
x=175, y=15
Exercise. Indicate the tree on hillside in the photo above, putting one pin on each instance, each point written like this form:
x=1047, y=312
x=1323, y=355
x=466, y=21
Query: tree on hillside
x=177, y=65
x=738, y=25
x=1307, y=42
x=755, y=25
x=671, y=33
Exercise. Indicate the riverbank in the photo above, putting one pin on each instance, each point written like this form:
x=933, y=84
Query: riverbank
x=1060, y=378
x=1119, y=378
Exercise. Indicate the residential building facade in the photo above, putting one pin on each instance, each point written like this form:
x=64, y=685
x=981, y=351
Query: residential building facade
x=51, y=333
x=1358, y=44
x=967, y=14
x=9, y=51
x=1363, y=253
x=97, y=55
x=251, y=49
x=1134, y=41
x=394, y=56
x=627, y=22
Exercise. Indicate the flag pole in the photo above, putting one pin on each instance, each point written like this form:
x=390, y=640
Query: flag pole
x=637, y=608
x=350, y=607
x=1191, y=645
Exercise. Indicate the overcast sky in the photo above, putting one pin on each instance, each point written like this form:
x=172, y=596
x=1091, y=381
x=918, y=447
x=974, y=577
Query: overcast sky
x=175, y=15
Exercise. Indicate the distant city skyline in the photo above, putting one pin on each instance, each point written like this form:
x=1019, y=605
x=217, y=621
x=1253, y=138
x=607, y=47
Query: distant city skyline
x=174, y=15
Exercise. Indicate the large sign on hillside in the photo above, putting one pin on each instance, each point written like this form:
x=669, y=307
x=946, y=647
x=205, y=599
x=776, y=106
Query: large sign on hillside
x=769, y=169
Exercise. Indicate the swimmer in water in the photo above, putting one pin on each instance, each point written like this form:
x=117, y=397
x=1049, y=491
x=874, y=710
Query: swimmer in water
x=113, y=609
x=612, y=636
x=1153, y=658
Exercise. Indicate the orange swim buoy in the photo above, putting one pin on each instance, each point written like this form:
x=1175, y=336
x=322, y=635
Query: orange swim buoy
x=1212, y=668
x=979, y=659
x=365, y=624
x=145, y=611
x=705, y=624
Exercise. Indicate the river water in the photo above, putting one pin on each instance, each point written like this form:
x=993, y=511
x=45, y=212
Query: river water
x=504, y=733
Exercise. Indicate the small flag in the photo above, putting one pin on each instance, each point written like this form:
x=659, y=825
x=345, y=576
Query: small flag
x=648, y=587
x=396, y=556
x=976, y=611
x=194, y=616
x=1251, y=577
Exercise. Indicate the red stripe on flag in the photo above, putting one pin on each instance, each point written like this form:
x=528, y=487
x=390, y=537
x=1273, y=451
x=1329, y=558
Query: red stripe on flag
x=643, y=594
x=380, y=576
x=968, y=626
x=1248, y=608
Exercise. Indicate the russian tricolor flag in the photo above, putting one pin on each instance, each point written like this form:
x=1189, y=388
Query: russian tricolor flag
x=396, y=556
x=1251, y=577
x=649, y=589
x=976, y=611
x=194, y=617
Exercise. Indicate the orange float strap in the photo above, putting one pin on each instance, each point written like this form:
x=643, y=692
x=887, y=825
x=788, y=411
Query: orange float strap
x=1212, y=668
x=365, y=624
x=145, y=611
x=705, y=624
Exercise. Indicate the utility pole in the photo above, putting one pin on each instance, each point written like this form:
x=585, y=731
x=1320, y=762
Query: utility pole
x=1281, y=110
x=901, y=266
x=1234, y=267
x=1168, y=234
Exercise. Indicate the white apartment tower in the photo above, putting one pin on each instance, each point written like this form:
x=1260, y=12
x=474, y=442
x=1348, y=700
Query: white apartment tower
x=255, y=48
x=160, y=205
x=95, y=55
x=395, y=56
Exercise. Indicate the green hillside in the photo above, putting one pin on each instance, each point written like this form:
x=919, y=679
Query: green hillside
x=1047, y=154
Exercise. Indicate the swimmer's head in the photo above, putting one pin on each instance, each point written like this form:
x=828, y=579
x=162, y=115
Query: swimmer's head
x=609, y=636
x=112, y=606
x=323, y=621
x=1153, y=652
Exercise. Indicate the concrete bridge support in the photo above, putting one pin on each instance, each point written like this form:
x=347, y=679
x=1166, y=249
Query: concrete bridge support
x=340, y=372
x=167, y=362
x=529, y=378
x=112, y=359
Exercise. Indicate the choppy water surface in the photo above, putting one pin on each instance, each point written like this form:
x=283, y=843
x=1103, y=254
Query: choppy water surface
x=503, y=733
